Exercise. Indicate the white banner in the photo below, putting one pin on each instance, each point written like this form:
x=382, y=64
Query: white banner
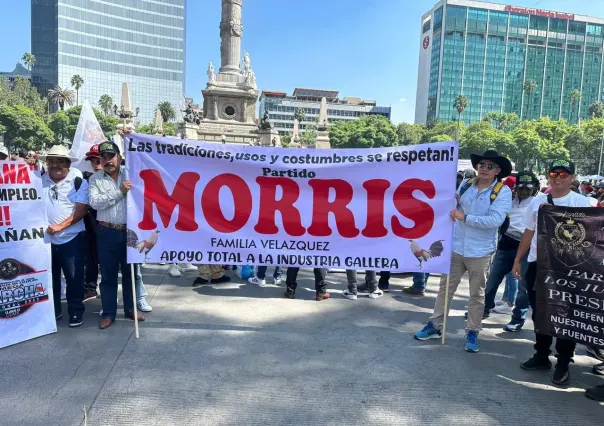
x=207, y=203
x=26, y=298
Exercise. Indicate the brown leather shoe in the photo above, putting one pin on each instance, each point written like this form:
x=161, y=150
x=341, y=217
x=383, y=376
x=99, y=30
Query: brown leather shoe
x=321, y=296
x=139, y=314
x=290, y=293
x=105, y=323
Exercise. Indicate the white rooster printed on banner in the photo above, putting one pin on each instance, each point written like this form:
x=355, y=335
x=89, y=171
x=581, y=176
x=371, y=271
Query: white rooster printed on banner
x=423, y=255
x=143, y=246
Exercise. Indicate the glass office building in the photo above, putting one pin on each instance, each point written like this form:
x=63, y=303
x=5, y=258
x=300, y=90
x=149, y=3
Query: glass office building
x=281, y=108
x=487, y=52
x=108, y=42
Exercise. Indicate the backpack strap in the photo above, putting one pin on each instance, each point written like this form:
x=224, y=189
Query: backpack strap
x=550, y=199
x=496, y=191
x=467, y=184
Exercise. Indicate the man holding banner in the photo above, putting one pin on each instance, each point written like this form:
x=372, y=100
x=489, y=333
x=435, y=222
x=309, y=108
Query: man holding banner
x=560, y=177
x=483, y=204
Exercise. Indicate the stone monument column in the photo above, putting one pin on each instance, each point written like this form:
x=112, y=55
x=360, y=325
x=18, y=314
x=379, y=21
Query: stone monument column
x=231, y=31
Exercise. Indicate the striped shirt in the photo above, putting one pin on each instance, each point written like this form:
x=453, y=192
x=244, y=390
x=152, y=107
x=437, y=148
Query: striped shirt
x=106, y=197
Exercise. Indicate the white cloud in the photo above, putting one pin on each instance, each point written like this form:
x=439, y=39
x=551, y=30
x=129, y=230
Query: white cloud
x=403, y=99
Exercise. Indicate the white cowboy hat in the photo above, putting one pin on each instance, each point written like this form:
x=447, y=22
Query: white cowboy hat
x=59, y=151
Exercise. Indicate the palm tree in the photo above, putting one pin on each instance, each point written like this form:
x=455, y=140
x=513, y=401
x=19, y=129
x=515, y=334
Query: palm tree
x=61, y=96
x=166, y=110
x=574, y=97
x=300, y=114
x=106, y=103
x=529, y=87
x=29, y=60
x=596, y=110
x=77, y=82
x=461, y=103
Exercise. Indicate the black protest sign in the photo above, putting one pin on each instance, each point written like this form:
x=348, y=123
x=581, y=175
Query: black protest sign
x=570, y=274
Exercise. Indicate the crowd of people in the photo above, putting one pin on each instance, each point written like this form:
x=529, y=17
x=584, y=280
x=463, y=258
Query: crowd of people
x=494, y=242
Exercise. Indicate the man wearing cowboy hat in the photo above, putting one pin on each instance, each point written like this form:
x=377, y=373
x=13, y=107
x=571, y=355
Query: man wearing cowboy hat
x=483, y=204
x=66, y=199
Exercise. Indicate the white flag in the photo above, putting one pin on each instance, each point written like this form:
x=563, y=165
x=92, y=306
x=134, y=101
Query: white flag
x=88, y=133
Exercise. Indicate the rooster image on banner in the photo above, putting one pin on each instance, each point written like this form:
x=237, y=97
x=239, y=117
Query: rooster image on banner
x=423, y=255
x=142, y=246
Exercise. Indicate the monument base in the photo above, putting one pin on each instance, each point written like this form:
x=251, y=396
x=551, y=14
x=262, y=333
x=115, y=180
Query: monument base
x=189, y=130
x=322, y=141
x=265, y=137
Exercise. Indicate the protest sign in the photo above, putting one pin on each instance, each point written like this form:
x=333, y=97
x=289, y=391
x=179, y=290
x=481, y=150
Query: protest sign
x=207, y=203
x=570, y=274
x=26, y=299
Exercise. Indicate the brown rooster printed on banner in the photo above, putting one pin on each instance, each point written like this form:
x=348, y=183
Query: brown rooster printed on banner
x=424, y=255
x=143, y=246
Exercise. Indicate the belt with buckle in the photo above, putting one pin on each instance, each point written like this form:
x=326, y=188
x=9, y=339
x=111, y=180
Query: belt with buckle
x=112, y=225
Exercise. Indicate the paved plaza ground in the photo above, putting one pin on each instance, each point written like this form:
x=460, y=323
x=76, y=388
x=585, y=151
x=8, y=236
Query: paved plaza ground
x=236, y=354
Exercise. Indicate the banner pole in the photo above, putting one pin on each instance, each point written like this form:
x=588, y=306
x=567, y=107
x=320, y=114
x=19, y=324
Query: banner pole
x=133, y=280
x=444, y=330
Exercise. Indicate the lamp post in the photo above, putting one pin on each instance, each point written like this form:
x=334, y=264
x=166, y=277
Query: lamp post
x=125, y=114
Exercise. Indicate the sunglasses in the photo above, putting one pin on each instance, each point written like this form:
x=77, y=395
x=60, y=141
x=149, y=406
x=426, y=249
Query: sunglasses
x=563, y=175
x=488, y=166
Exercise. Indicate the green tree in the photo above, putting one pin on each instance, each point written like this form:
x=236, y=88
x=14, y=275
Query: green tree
x=528, y=142
x=506, y=122
x=308, y=137
x=370, y=131
x=286, y=139
x=596, y=110
x=149, y=129
x=22, y=93
x=108, y=123
x=443, y=128
x=478, y=137
x=529, y=87
x=440, y=138
x=77, y=81
x=410, y=134
x=300, y=115
x=29, y=60
x=24, y=129
x=574, y=97
x=106, y=104
x=61, y=96
x=166, y=110
x=59, y=124
x=460, y=104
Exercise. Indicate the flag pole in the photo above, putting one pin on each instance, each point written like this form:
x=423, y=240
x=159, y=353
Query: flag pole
x=444, y=330
x=133, y=281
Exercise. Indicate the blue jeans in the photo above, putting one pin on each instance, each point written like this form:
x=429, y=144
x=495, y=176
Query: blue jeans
x=419, y=280
x=503, y=262
x=141, y=291
x=522, y=298
x=112, y=256
x=69, y=258
x=261, y=272
x=511, y=288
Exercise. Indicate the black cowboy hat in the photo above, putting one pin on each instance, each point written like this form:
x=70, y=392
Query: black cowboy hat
x=504, y=164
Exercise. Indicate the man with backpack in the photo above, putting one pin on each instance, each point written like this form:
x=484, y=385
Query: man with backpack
x=483, y=204
x=65, y=196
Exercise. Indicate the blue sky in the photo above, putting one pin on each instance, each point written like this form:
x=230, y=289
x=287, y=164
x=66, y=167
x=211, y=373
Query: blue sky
x=362, y=48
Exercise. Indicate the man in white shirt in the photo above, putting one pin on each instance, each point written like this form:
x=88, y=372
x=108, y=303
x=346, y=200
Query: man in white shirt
x=108, y=190
x=66, y=198
x=560, y=177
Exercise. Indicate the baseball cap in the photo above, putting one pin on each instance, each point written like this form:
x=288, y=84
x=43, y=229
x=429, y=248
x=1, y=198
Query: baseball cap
x=108, y=148
x=569, y=166
x=93, y=153
x=525, y=180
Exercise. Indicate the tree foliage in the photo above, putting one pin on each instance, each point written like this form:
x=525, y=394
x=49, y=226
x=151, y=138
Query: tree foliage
x=24, y=129
x=77, y=82
x=106, y=104
x=61, y=96
x=149, y=129
x=29, y=60
x=371, y=131
x=68, y=128
x=410, y=134
x=22, y=93
x=167, y=111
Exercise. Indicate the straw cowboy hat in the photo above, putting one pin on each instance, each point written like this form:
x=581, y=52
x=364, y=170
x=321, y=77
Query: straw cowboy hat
x=58, y=151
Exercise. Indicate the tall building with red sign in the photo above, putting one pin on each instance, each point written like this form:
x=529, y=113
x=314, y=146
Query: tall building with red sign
x=487, y=52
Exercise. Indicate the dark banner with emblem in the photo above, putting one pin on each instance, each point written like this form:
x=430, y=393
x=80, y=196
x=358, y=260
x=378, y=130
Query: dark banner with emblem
x=570, y=274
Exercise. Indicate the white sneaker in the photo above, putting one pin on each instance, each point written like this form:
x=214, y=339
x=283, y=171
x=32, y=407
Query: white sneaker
x=174, y=271
x=349, y=295
x=376, y=293
x=257, y=281
x=144, y=306
x=161, y=263
x=503, y=309
x=188, y=267
x=277, y=281
x=500, y=302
